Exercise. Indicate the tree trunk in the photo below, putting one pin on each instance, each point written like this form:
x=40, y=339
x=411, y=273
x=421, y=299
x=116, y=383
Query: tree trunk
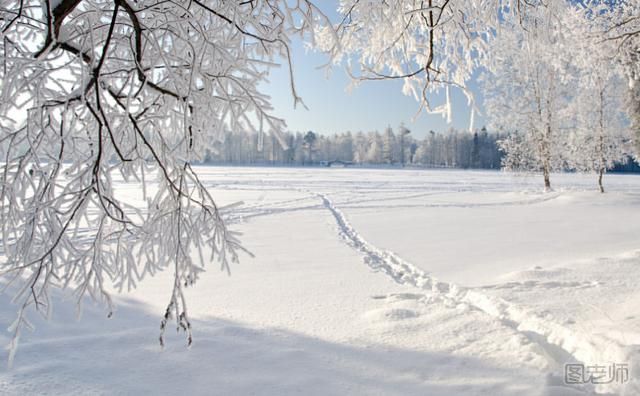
x=547, y=180
x=546, y=160
x=603, y=160
x=600, y=174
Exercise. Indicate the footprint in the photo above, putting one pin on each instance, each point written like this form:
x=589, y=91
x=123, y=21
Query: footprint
x=390, y=315
x=401, y=314
x=408, y=296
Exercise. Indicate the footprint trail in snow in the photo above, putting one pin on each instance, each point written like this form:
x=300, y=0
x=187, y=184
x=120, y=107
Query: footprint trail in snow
x=560, y=344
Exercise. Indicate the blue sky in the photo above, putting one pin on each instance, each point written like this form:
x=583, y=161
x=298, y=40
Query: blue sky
x=371, y=106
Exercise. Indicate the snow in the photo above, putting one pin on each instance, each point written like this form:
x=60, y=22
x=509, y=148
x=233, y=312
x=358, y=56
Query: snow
x=390, y=282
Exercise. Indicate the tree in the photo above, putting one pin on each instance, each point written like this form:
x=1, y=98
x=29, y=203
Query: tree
x=375, y=150
x=624, y=31
x=618, y=38
x=402, y=136
x=528, y=91
x=345, y=147
x=92, y=89
x=309, y=145
x=475, y=150
x=389, y=152
x=360, y=148
x=600, y=137
x=632, y=105
x=430, y=44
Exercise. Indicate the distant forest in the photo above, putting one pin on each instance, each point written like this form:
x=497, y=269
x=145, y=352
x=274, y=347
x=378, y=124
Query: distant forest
x=454, y=149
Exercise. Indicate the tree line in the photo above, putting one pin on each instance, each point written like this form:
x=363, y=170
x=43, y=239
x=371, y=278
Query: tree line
x=453, y=149
x=480, y=149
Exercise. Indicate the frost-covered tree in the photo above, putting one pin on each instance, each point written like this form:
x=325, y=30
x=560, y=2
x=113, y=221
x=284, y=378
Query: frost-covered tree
x=624, y=31
x=374, y=152
x=345, y=147
x=528, y=91
x=92, y=90
x=422, y=152
x=632, y=104
x=600, y=138
x=389, y=144
x=617, y=35
x=405, y=39
x=404, y=148
x=360, y=148
x=431, y=45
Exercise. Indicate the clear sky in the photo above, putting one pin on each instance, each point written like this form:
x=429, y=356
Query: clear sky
x=371, y=106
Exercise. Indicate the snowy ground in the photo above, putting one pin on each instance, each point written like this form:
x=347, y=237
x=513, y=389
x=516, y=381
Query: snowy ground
x=372, y=282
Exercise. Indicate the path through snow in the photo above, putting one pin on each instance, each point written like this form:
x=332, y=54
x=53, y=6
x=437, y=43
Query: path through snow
x=561, y=344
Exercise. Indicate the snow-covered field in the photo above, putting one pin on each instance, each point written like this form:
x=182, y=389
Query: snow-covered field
x=389, y=282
